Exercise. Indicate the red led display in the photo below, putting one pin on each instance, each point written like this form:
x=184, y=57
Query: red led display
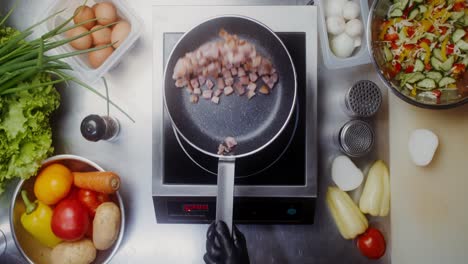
x=195, y=207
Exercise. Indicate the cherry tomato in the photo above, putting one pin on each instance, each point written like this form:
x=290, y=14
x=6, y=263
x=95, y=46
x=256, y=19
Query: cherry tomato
x=449, y=49
x=459, y=67
x=391, y=37
x=410, y=31
x=91, y=200
x=457, y=7
x=443, y=30
x=394, y=45
x=409, y=69
x=409, y=46
x=427, y=41
x=70, y=220
x=397, y=67
x=371, y=243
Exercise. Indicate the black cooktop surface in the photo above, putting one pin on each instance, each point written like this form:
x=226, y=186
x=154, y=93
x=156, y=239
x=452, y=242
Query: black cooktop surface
x=281, y=163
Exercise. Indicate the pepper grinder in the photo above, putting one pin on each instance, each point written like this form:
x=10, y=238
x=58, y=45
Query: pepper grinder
x=95, y=128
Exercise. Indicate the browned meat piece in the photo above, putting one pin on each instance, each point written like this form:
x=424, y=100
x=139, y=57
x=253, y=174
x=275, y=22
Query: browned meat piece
x=220, y=84
x=230, y=142
x=194, y=98
x=201, y=80
x=266, y=78
x=241, y=72
x=215, y=99
x=244, y=80
x=209, y=84
x=229, y=81
x=227, y=74
x=264, y=90
x=221, y=149
x=234, y=71
x=197, y=91
x=182, y=82
x=240, y=90
x=265, y=67
x=251, y=94
x=228, y=90
x=251, y=87
x=274, y=77
x=182, y=69
x=256, y=61
x=207, y=94
x=253, y=77
x=214, y=69
x=194, y=83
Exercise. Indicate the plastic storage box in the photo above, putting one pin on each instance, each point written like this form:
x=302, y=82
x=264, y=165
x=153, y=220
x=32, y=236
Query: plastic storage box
x=80, y=63
x=360, y=54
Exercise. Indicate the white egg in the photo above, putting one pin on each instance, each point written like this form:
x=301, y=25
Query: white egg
x=333, y=8
x=357, y=41
x=354, y=28
x=351, y=10
x=342, y=45
x=336, y=25
x=422, y=146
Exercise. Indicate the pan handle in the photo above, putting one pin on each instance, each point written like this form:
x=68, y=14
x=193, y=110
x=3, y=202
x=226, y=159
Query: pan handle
x=225, y=198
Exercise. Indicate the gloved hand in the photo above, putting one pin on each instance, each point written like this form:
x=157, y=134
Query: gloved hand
x=221, y=248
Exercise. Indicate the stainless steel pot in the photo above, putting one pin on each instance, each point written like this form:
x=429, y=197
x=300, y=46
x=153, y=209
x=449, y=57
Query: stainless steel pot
x=32, y=250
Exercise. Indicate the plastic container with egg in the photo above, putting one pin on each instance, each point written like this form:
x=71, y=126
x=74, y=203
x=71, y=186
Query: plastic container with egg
x=359, y=56
x=80, y=64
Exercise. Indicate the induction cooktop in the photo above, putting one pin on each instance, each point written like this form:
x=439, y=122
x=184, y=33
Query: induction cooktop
x=276, y=185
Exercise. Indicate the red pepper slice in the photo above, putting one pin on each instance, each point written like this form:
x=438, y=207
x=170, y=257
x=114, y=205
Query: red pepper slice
x=407, y=11
x=409, y=69
x=443, y=30
x=459, y=67
x=437, y=93
x=457, y=7
x=427, y=67
x=394, y=45
x=409, y=46
x=391, y=37
x=410, y=31
x=449, y=49
x=397, y=67
x=428, y=42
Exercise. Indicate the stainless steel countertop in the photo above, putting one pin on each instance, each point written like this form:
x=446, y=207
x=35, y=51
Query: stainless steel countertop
x=148, y=242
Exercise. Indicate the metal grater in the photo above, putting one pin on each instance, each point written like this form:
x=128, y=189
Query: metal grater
x=356, y=138
x=363, y=99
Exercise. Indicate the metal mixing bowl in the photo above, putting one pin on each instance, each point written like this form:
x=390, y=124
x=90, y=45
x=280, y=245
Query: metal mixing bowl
x=31, y=249
x=377, y=15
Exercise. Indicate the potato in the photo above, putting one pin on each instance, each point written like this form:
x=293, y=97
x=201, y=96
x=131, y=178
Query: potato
x=78, y=252
x=106, y=225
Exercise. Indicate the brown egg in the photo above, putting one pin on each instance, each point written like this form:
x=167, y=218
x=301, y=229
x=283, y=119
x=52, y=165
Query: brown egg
x=120, y=33
x=84, y=13
x=94, y=7
x=106, y=13
x=102, y=36
x=98, y=57
x=82, y=43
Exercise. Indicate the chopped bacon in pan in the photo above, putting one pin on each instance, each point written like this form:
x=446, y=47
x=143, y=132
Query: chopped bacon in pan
x=229, y=63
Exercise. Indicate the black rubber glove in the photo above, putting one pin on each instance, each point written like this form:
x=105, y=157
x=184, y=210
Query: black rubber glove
x=221, y=248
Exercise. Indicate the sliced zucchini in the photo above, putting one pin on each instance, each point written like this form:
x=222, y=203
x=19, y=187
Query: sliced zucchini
x=434, y=75
x=457, y=15
x=414, y=77
x=447, y=65
x=446, y=81
x=465, y=20
x=427, y=84
x=437, y=53
x=422, y=8
x=461, y=44
x=403, y=4
x=396, y=13
x=457, y=35
x=388, y=54
x=436, y=63
x=413, y=13
x=418, y=66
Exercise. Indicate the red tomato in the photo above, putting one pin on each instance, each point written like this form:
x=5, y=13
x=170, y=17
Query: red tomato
x=428, y=67
x=457, y=7
x=397, y=67
x=431, y=29
x=459, y=67
x=70, y=220
x=91, y=200
x=410, y=31
x=391, y=37
x=73, y=194
x=394, y=45
x=371, y=243
x=443, y=30
x=437, y=93
x=409, y=69
x=449, y=49
x=409, y=46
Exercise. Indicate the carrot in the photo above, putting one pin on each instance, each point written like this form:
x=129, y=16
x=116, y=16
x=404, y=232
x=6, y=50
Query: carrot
x=99, y=181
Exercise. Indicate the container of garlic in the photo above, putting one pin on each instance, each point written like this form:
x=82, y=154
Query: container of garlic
x=342, y=29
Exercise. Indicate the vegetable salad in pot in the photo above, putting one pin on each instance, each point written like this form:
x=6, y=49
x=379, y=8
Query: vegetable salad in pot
x=425, y=48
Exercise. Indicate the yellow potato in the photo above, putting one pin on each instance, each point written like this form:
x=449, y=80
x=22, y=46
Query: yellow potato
x=78, y=252
x=106, y=225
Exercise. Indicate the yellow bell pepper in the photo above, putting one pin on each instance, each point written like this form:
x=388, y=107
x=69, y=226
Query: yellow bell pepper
x=375, y=198
x=428, y=52
x=349, y=220
x=443, y=52
x=37, y=219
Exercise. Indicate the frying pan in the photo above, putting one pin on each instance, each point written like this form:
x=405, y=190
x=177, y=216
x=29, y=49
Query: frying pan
x=254, y=123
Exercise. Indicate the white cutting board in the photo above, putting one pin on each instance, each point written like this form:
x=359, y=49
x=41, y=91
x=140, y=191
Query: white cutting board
x=429, y=217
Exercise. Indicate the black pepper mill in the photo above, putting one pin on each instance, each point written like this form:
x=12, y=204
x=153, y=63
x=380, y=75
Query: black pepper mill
x=95, y=128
